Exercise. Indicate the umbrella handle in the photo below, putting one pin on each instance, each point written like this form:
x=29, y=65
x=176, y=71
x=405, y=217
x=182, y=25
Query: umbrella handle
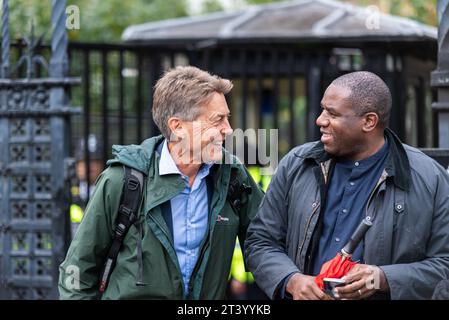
x=356, y=237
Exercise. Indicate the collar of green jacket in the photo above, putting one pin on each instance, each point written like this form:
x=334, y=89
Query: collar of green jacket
x=397, y=165
x=139, y=157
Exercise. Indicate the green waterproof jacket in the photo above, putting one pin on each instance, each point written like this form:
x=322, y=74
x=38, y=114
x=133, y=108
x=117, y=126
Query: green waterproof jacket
x=80, y=271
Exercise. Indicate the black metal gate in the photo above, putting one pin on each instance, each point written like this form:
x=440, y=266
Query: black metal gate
x=34, y=166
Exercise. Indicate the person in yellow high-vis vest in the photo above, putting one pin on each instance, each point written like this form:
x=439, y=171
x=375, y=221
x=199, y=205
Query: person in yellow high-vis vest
x=241, y=283
x=79, y=190
x=262, y=180
x=76, y=209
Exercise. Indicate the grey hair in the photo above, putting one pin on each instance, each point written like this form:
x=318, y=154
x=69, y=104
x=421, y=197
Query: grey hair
x=369, y=93
x=182, y=92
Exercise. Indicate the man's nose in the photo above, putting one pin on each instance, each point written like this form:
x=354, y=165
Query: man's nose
x=227, y=129
x=322, y=121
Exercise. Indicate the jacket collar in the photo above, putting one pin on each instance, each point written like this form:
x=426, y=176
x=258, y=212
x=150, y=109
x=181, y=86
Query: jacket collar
x=397, y=164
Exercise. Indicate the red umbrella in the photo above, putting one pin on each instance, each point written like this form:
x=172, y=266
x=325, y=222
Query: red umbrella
x=341, y=264
x=338, y=267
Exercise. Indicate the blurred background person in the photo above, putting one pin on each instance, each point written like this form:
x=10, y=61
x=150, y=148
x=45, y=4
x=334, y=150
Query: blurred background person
x=82, y=189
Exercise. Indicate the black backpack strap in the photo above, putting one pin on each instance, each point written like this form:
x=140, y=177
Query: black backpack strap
x=236, y=190
x=127, y=214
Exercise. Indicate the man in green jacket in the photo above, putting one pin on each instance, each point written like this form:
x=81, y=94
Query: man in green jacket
x=182, y=245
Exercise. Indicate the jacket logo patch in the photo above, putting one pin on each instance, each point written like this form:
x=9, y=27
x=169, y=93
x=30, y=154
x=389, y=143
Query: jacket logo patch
x=220, y=218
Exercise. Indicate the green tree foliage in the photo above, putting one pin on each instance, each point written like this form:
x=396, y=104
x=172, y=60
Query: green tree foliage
x=263, y=1
x=211, y=6
x=100, y=20
x=421, y=10
x=23, y=13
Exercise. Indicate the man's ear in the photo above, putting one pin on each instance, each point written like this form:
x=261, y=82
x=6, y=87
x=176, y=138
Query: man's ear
x=176, y=128
x=370, y=121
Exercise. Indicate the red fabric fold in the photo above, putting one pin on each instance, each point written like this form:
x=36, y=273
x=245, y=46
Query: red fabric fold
x=335, y=268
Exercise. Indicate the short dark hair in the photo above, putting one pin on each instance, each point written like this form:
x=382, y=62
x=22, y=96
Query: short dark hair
x=369, y=93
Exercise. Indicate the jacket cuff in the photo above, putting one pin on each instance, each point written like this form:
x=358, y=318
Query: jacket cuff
x=281, y=291
x=275, y=292
x=393, y=274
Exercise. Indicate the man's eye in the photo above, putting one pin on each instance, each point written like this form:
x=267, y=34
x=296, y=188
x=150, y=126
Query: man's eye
x=222, y=118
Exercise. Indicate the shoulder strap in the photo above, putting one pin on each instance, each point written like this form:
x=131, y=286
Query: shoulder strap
x=127, y=214
x=236, y=190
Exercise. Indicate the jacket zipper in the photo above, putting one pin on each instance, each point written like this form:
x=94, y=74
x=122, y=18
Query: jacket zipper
x=203, y=249
x=307, y=227
x=323, y=171
x=162, y=229
x=382, y=179
x=202, y=252
x=165, y=233
x=195, y=269
x=156, y=222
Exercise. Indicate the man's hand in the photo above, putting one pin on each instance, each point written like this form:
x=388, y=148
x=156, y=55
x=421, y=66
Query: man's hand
x=303, y=287
x=362, y=282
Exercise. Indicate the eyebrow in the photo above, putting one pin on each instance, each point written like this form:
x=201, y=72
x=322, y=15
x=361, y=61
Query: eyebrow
x=221, y=114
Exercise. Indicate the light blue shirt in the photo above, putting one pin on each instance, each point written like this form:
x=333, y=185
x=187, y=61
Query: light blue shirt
x=189, y=214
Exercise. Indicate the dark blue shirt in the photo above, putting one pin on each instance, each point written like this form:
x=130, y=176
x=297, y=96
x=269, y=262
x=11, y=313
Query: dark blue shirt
x=349, y=189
